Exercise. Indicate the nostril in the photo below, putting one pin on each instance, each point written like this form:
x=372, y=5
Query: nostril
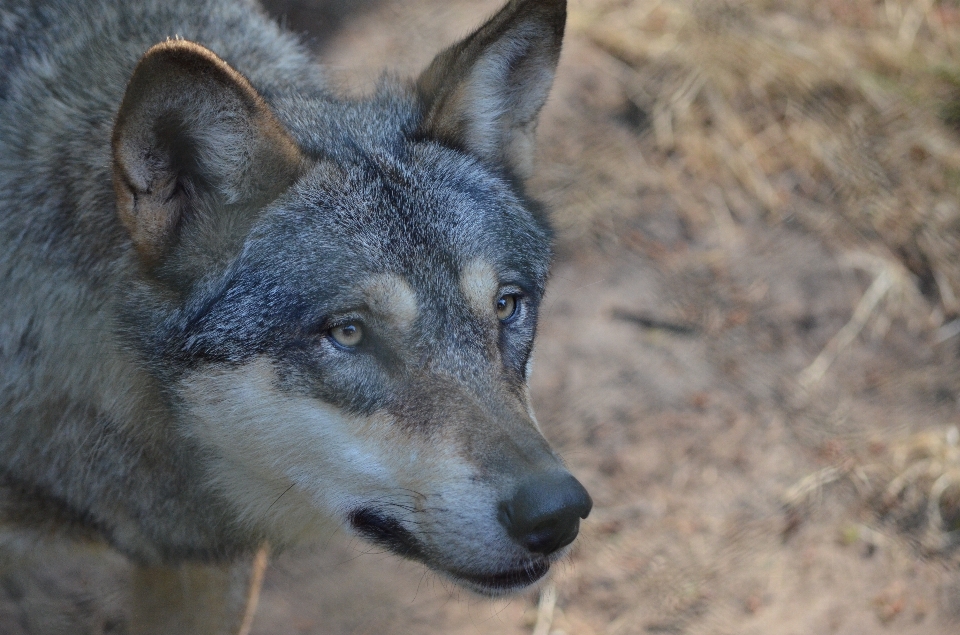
x=552, y=537
x=544, y=512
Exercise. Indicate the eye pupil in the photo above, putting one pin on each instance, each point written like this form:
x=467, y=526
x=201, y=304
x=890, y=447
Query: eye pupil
x=347, y=335
x=506, y=307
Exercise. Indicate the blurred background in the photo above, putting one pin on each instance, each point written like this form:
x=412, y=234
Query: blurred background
x=749, y=348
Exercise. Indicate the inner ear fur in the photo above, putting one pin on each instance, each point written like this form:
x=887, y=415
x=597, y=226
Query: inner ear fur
x=484, y=94
x=191, y=136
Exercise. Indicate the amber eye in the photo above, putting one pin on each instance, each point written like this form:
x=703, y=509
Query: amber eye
x=347, y=335
x=507, y=305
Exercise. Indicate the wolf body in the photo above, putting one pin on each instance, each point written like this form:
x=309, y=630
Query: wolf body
x=237, y=308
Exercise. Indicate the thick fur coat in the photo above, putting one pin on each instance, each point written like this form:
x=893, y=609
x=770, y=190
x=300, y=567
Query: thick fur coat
x=238, y=308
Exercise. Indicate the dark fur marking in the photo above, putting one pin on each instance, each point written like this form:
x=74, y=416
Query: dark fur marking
x=31, y=506
x=385, y=531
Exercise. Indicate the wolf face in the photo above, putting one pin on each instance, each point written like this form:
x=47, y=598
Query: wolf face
x=342, y=297
x=396, y=399
x=370, y=348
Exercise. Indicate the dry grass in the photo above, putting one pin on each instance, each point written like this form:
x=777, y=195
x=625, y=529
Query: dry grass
x=840, y=115
x=913, y=484
x=924, y=493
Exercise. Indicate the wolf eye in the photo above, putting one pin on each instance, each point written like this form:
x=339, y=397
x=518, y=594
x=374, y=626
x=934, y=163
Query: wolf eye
x=507, y=305
x=347, y=335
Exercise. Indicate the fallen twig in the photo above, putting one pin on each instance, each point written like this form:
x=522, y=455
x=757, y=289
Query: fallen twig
x=647, y=322
x=548, y=601
x=812, y=374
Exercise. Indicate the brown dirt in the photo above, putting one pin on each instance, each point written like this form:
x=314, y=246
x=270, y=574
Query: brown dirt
x=736, y=491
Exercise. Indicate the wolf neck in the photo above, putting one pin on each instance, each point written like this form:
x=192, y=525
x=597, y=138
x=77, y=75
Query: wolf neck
x=103, y=440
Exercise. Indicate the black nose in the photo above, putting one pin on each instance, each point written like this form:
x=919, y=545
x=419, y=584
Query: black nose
x=545, y=511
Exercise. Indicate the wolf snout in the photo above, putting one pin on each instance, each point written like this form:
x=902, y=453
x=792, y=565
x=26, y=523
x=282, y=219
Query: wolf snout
x=544, y=512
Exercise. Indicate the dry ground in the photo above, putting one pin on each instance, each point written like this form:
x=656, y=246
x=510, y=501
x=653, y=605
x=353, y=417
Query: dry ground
x=763, y=413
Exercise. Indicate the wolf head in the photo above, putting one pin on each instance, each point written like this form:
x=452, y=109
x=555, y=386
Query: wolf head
x=342, y=297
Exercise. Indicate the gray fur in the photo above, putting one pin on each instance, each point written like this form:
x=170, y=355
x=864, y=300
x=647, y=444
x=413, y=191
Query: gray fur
x=99, y=344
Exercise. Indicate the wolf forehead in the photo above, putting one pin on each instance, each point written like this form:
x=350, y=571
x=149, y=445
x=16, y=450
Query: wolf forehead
x=421, y=211
x=420, y=194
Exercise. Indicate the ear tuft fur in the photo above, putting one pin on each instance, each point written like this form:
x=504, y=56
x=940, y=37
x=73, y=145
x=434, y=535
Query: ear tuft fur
x=192, y=135
x=484, y=94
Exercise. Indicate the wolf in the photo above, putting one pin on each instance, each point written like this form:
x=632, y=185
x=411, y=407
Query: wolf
x=239, y=309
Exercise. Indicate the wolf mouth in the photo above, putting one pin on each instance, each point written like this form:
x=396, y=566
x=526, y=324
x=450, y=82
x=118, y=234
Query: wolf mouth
x=386, y=531
x=504, y=581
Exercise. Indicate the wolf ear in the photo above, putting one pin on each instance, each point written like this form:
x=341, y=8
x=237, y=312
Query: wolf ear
x=192, y=135
x=484, y=93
